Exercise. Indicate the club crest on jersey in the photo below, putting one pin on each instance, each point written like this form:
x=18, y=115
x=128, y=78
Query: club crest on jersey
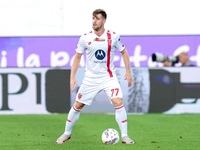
x=100, y=54
x=79, y=96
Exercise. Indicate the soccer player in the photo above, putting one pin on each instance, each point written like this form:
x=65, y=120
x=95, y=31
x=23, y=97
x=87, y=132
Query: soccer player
x=99, y=45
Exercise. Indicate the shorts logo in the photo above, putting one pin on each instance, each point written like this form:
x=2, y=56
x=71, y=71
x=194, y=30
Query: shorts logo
x=79, y=96
x=100, y=54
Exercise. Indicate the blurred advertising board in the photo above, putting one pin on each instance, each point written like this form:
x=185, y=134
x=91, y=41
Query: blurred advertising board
x=34, y=90
x=170, y=90
x=60, y=51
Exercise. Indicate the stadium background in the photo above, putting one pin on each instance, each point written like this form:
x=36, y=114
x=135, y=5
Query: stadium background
x=38, y=38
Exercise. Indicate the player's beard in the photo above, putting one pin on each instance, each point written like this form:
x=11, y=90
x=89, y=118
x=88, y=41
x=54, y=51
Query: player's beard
x=97, y=28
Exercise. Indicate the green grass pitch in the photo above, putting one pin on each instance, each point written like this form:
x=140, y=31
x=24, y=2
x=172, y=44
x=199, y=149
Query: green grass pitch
x=149, y=131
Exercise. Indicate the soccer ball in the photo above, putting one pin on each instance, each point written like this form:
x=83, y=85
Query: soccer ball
x=110, y=136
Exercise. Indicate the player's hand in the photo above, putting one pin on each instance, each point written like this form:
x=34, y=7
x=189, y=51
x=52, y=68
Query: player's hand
x=73, y=82
x=129, y=79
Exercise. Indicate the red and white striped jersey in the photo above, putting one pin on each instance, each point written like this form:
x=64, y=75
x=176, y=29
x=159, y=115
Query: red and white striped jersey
x=100, y=51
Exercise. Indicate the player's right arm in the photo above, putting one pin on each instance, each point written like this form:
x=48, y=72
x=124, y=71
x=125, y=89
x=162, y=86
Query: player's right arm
x=74, y=69
x=79, y=51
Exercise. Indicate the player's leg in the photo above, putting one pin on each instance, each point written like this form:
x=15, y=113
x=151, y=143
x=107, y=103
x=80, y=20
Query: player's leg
x=121, y=118
x=84, y=96
x=72, y=118
x=120, y=115
x=114, y=93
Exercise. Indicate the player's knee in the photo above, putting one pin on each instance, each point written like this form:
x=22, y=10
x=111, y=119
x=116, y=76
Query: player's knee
x=78, y=105
x=117, y=102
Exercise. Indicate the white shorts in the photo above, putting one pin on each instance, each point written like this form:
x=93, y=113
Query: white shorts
x=87, y=93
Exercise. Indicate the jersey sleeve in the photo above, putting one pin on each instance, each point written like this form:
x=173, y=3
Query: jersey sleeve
x=119, y=45
x=80, y=48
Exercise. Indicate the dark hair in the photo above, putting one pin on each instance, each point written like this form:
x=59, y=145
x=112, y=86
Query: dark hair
x=100, y=11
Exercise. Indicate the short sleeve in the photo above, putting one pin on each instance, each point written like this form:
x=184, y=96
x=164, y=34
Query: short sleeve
x=80, y=48
x=119, y=45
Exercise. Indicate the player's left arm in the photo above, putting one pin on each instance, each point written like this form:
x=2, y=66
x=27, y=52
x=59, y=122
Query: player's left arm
x=128, y=75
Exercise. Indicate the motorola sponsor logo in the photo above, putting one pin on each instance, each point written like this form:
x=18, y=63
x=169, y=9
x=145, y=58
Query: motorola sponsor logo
x=100, y=54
